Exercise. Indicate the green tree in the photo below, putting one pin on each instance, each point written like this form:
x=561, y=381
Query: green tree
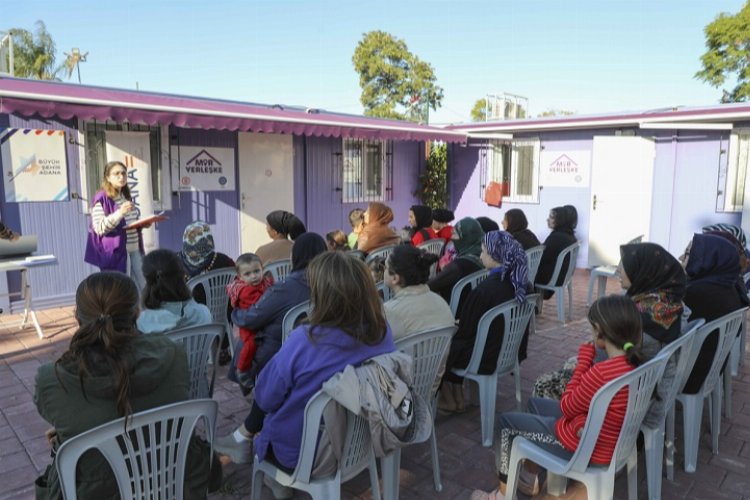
x=479, y=111
x=728, y=54
x=395, y=83
x=433, y=182
x=34, y=54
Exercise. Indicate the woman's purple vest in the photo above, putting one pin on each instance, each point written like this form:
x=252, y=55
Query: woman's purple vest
x=108, y=252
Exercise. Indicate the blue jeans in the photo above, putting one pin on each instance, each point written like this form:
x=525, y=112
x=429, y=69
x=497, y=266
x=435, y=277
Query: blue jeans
x=135, y=269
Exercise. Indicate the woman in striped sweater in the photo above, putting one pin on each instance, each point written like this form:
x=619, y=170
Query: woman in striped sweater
x=110, y=246
x=556, y=426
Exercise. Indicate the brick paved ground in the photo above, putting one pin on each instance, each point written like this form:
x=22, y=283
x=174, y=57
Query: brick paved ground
x=465, y=464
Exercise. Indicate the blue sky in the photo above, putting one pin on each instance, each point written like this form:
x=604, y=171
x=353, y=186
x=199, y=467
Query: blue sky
x=584, y=56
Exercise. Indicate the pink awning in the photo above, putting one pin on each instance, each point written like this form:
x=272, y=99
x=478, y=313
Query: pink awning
x=49, y=99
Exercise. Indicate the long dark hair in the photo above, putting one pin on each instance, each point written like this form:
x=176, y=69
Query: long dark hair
x=411, y=264
x=286, y=223
x=344, y=296
x=106, y=311
x=108, y=188
x=165, y=279
x=616, y=318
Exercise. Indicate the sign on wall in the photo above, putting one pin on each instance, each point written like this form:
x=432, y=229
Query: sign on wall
x=205, y=169
x=34, y=164
x=565, y=168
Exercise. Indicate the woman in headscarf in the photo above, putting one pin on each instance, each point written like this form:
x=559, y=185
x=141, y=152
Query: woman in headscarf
x=714, y=289
x=377, y=233
x=467, y=241
x=488, y=224
x=562, y=221
x=266, y=317
x=280, y=226
x=420, y=220
x=508, y=280
x=441, y=223
x=516, y=224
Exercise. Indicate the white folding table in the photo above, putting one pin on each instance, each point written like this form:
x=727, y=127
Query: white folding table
x=23, y=265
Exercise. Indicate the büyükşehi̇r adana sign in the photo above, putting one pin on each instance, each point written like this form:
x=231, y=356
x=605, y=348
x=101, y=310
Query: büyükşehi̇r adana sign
x=34, y=164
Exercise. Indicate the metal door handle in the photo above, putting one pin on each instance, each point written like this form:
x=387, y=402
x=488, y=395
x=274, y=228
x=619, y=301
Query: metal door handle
x=594, y=202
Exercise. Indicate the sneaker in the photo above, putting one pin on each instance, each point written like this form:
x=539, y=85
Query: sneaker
x=240, y=453
x=279, y=492
x=224, y=357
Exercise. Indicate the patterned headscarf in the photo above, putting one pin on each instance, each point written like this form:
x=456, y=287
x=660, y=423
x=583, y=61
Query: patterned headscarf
x=735, y=231
x=503, y=248
x=198, y=249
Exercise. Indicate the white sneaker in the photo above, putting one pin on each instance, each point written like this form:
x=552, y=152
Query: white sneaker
x=240, y=453
x=279, y=492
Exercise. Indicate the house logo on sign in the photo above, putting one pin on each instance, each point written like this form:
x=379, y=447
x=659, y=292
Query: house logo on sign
x=203, y=163
x=563, y=165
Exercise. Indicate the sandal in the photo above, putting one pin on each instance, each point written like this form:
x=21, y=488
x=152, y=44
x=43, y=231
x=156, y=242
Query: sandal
x=483, y=495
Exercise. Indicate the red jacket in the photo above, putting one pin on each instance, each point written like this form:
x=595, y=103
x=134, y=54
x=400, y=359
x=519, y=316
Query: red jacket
x=242, y=296
x=422, y=235
x=446, y=233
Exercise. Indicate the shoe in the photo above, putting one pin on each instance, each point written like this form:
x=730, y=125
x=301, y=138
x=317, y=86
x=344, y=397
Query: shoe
x=484, y=495
x=224, y=357
x=240, y=453
x=279, y=492
x=528, y=483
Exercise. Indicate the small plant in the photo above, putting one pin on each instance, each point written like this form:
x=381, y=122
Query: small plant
x=433, y=182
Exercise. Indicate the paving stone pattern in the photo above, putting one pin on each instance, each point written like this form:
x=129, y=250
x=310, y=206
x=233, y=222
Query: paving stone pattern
x=465, y=464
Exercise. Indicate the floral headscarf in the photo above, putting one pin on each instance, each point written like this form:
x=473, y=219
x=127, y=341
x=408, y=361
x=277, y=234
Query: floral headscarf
x=503, y=248
x=198, y=249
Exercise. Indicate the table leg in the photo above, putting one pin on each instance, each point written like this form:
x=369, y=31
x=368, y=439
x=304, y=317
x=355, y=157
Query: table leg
x=27, y=308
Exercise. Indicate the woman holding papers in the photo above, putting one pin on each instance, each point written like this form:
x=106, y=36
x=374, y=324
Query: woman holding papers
x=111, y=246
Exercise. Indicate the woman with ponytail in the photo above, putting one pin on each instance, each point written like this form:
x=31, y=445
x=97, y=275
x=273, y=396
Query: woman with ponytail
x=167, y=301
x=283, y=228
x=110, y=371
x=556, y=425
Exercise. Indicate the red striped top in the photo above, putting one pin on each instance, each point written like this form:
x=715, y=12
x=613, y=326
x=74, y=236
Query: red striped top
x=576, y=400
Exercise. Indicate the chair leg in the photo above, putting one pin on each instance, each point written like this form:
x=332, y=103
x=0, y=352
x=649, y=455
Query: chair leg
x=669, y=451
x=560, y=297
x=593, y=279
x=257, y=484
x=692, y=409
x=727, y=375
x=517, y=377
x=435, y=460
x=556, y=484
x=570, y=300
x=716, y=417
x=487, y=395
x=602, y=288
x=514, y=471
x=654, y=444
x=632, y=476
x=390, y=466
x=374, y=483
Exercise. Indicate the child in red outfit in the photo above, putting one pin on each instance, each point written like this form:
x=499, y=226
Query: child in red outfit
x=245, y=290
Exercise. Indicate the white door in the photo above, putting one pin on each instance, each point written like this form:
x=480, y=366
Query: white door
x=266, y=166
x=621, y=184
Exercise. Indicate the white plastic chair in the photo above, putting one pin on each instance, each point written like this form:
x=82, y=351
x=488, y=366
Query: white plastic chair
x=653, y=437
x=384, y=290
x=427, y=349
x=516, y=319
x=383, y=252
x=472, y=280
x=533, y=258
x=599, y=479
x=600, y=274
x=292, y=317
x=278, y=269
x=692, y=404
x=357, y=254
x=149, y=460
x=434, y=246
x=214, y=284
x=201, y=343
x=357, y=455
x=567, y=283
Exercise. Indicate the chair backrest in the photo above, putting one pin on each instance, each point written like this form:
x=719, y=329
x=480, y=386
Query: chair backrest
x=728, y=326
x=433, y=246
x=516, y=319
x=149, y=459
x=472, y=280
x=533, y=258
x=571, y=251
x=278, y=269
x=358, y=254
x=427, y=349
x=215, y=285
x=380, y=252
x=292, y=317
x=384, y=291
x=640, y=384
x=200, y=342
x=357, y=444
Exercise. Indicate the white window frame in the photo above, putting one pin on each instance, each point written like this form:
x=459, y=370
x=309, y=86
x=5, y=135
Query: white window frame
x=165, y=203
x=365, y=172
x=732, y=176
x=494, y=171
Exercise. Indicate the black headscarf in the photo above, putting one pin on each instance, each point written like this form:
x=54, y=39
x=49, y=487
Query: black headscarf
x=516, y=220
x=657, y=286
x=442, y=215
x=306, y=247
x=488, y=224
x=422, y=216
x=715, y=260
x=285, y=223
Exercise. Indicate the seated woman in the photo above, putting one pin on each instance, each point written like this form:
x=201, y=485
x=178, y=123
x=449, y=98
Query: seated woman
x=376, y=233
x=556, y=425
x=336, y=240
x=167, y=301
x=562, y=221
x=714, y=289
x=467, y=241
x=110, y=371
x=441, y=223
x=488, y=224
x=346, y=327
x=508, y=280
x=516, y=224
x=414, y=307
x=280, y=226
x=420, y=220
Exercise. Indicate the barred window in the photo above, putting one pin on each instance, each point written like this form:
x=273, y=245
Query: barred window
x=514, y=165
x=366, y=170
x=731, y=190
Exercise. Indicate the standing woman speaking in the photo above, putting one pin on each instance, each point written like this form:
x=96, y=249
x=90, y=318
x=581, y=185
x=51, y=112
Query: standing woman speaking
x=110, y=246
